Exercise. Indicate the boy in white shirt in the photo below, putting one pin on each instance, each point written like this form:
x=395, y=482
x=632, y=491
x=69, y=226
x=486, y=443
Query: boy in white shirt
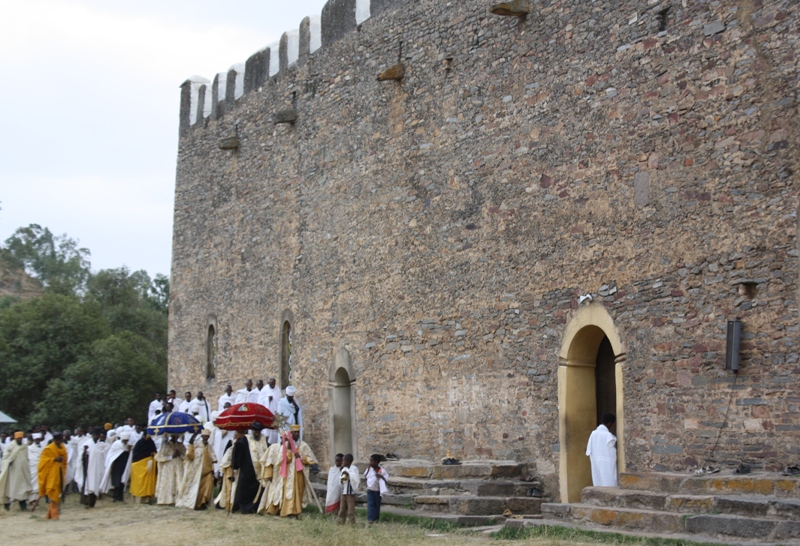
x=376, y=478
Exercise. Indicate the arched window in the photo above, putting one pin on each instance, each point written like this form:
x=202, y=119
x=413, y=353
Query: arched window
x=211, y=353
x=286, y=354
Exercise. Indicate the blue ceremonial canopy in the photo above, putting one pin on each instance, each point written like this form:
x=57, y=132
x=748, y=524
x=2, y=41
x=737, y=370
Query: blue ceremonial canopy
x=174, y=423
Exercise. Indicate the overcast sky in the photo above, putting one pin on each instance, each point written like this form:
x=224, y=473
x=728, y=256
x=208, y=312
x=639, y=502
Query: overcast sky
x=89, y=130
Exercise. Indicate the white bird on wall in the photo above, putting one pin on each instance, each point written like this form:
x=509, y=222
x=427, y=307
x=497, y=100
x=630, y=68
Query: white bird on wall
x=585, y=297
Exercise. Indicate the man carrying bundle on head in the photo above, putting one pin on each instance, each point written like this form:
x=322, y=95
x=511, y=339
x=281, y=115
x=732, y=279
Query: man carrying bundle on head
x=51, y=472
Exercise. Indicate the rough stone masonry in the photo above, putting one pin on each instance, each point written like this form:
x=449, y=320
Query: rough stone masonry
x=438, y=230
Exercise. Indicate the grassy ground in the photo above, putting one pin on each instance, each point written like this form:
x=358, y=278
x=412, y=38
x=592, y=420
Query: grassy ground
x=117, y=524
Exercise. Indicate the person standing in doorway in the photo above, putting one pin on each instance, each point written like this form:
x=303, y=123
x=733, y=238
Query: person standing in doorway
x=602, y=451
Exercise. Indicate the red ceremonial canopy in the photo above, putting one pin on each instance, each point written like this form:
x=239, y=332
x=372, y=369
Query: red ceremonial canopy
x=242, y=416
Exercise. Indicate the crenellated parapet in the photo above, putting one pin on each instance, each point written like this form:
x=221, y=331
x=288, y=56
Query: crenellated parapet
x=203, y=99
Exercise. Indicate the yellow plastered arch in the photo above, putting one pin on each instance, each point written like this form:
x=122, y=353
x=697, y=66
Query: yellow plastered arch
x=577, y=397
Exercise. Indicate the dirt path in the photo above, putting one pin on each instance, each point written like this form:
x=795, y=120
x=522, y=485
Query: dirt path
x=113, y=524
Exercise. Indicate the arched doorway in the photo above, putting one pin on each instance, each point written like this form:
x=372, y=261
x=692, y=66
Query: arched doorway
x=589, y=384
x=342, y=404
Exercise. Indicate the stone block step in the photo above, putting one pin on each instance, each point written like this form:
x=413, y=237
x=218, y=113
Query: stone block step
x=723, y=525
x=739, y=505
x=756, y=529
x=482, y=488
x=763, y=483
x=468, y=469
x=472, y=505
x=624, y=518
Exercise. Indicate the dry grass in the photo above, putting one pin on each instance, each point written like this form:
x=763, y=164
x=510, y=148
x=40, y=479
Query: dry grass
x=112, y=524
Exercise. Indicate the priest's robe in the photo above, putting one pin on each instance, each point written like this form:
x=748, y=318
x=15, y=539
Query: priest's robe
x=144, y=468
x=228, y=490
x=290, y=494
x=247, y=456
x=221, y=438
x=117, y=469
x=602, y=451
x=15, y=474
x=51, y=473
x=197, y=486
x=170, y=471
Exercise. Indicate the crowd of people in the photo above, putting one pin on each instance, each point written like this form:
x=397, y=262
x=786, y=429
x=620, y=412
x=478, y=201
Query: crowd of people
x=244, y=471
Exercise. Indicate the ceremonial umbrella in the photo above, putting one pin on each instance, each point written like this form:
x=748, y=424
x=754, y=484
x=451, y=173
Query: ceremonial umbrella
x=175, y=422
x=242, y=416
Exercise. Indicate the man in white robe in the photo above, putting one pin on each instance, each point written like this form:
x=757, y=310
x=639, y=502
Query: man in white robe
x=155, y=405
x=186, y=402
x=117, y=467
x=170, y=469
x=15, y=473
x=333, y=494
x=226, y=398
x=197, y=485
x=290, y=408
x=203, y=408
x=34, y=453
x=95, y=470
x=82, y=454
x=247, y=394
x=269, y=397
x=219, y=440
x=602, y=451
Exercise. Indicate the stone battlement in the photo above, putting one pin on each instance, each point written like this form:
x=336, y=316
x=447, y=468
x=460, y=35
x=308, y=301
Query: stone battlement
x=202, y=98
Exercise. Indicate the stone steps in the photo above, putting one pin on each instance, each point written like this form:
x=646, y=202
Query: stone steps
x=752, y=507
x=741, y=505
x=713, y=484
x=483, y=489
x=415, y=468
x=498, y=488
x=482, y=506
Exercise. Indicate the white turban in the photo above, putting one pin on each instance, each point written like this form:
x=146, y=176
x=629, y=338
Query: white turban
x=125, y=436
x=194, y=408
x=290, y=390
x=36, y=435
x=214, y=415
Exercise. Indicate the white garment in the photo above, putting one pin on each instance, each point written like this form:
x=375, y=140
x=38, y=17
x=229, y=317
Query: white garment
x=97, y=467
x=135, y=437
x=272, y=405
x=116, y=450
x=602, y=450
x=286, y=409
x=354, y=481
x=221, y=439
x=333, y=492
x=184, y=406
x=225, y=399
x=374, y=483
x=34, y=454
x=155, y=405
x=85, y=442
x=205, y=411
x=243, y=395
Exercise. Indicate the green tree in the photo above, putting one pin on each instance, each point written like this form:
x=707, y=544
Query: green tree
x=114, y=380
x=39, y=339
x=56, y=260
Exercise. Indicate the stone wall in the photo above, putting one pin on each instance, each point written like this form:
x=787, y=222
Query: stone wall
x=441, y=228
